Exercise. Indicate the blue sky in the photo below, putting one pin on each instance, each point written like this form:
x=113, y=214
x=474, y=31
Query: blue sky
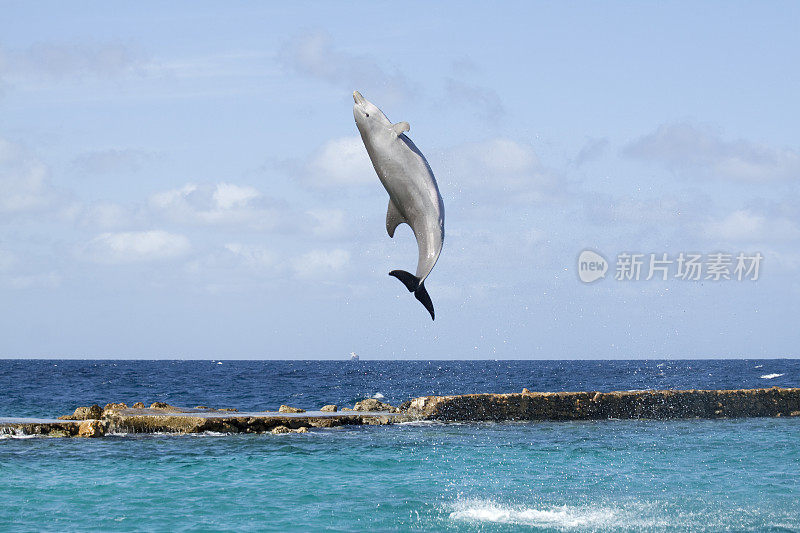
x=186, y=179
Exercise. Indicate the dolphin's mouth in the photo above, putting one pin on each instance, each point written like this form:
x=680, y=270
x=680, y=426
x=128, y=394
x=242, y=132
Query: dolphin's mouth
x=360, y=100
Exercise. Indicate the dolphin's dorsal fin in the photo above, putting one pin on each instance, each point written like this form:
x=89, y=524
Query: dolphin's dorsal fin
x=400, y=127
x=393, y=218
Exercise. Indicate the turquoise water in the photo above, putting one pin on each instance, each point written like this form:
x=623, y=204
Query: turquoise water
x=703, y=475
x=713, y=475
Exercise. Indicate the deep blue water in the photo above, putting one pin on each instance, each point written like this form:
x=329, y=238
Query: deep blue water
x=701, y=475
x=47, y=388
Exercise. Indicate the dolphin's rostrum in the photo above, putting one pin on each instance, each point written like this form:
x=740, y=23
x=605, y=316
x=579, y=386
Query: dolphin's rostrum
x=414, y=197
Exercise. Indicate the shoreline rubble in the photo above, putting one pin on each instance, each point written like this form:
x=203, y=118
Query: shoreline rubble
x=118, y=418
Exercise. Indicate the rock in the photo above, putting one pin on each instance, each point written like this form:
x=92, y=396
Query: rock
x=325, y=422
x=164, y=406
x=201, y=407
x=183, y=421
x=92, y=429
x=794, y=413
x=229, y=409
x=346, y=409
x=287, y=409
x=111, y=407
x=277, y=430
x=138, y=405
x=525, y=391
x=404, y=406
x=329, y=408
x=371, y=404
x=85, y=413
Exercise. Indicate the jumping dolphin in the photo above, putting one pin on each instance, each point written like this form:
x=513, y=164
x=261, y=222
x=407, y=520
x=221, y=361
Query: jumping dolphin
x=413, y=194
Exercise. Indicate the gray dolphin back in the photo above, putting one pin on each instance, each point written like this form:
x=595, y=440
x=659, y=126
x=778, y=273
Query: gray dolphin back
x=414, y=197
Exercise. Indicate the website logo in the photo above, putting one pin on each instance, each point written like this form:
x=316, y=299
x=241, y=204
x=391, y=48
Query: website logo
x=591, y=266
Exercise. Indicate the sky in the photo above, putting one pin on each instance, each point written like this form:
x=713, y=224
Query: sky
x=185, y=179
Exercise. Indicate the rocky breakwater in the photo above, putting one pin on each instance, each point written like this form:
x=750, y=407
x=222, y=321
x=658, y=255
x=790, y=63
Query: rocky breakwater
x=160, y=417
x=94, y=421
x=659, y=404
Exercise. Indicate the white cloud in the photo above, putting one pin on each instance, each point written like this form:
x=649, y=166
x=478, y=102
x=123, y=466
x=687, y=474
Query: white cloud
x=24, y=183
x=340, y=163
x=136, y=246
x=328, y=222
x=61, y=60
x=220, y=204
x=484, y=100
x=253, y=256
x=500, y=167
x=505, y=167
x=747, y=226
x=313, y=54
x=639, y=210
x=104, y=215
x=496, y=166
x=27, y=281
x=230, y=196
x=7, y=260
x=507, y=157
x=686, y=147
x=111, y=161
x=590, y=151
x=321, y=263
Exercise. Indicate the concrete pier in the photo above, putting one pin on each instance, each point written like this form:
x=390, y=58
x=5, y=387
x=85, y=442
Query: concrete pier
x=657, y=404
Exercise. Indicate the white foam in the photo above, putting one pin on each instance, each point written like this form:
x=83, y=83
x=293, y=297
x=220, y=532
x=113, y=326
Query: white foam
x=378, y=396
x=19, y=433
x=559, y=517
x=631, y=515
x=771, y=376
x=4, y=436
x=138, y=435
x=421, y=423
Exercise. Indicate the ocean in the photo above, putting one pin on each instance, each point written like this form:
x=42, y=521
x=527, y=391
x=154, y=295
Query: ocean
x=614, y=475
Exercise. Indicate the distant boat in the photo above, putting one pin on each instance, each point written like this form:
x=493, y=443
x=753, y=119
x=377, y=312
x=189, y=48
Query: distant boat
x=353, y=356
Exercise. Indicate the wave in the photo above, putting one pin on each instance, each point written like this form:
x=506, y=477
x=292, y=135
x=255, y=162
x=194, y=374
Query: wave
x=4, y=436
x=559, y=517
x=771, y=376
x=422, y=423
x=621, y=516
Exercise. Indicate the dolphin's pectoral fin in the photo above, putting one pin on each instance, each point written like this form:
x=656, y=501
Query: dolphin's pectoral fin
x=413, y=285
x=393, y=218
x=400, y=127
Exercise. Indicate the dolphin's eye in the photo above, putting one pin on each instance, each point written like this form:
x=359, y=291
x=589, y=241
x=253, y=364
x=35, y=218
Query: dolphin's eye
x=367, y=114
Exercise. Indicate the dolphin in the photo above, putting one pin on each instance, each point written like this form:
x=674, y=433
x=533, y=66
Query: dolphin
x=414, y=197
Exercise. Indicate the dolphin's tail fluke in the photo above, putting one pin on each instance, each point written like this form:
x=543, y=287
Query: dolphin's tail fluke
x=421, y=294
x=413, y=285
